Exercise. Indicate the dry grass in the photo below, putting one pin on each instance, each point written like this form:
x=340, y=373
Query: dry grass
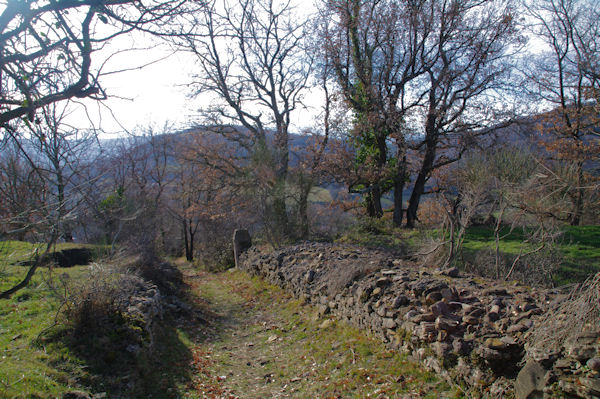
x=578, y=314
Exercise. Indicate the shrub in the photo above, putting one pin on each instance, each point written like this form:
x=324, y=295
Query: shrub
x=535, y=269
x=217, y=256
x=578, y=314
x=98, y=310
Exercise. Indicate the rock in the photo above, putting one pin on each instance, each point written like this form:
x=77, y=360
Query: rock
x=563, y=364
x=418, y=287
x=460, y=347
x=475, y=312
x=364, y=293
x=440, y=308
x=529, y=306
x=492, y=356
x=446, y=324
x=410, y=315
x=495, y=343
x=442, y=349
x=383, y=282
x=495, y=292
x=594, y=364
x=426, y=332
x=433, y=297
x=323, y=310
x=451, y=272
x=419, y=318
x=492, y=317
x=580, y=349
x=326, y=324
x=592, y=385
x=309, y=276
x=400, y=300
x=442, y=335
x=470, y=320
x=376, y=291
x=449, y=294
x=517, y=328
x=389, y=323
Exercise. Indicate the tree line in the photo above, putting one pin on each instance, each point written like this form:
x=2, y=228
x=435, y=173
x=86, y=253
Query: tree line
x=406, y=94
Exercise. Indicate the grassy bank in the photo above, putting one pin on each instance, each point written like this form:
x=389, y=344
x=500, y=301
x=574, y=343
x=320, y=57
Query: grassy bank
x=579, y=246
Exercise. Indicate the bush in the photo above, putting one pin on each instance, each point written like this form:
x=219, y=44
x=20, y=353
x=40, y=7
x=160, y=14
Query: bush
x=217, y=255
x=536, y=269
x=578, y=314
x=100, y=311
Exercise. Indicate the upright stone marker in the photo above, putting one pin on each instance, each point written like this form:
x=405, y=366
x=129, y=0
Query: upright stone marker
x=241, y=242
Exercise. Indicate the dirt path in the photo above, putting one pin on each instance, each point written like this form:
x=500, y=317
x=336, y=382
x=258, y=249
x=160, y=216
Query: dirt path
x=261, y=343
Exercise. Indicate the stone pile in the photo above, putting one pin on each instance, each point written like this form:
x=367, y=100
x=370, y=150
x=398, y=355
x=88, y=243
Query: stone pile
x=470, y=330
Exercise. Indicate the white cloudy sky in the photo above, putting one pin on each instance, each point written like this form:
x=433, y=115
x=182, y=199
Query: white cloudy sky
x=153, y=94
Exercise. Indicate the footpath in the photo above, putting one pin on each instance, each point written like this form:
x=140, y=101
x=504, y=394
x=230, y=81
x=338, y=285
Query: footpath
x=259, y=342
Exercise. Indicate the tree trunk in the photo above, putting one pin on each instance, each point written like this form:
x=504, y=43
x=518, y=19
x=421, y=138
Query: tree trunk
x=281, y=175
x=186, y=241
x=577, y=213
x=66, y=232
x=399, y=181
x=373, y=200
x=190, y=255
x=305, y=187
x=426, y=168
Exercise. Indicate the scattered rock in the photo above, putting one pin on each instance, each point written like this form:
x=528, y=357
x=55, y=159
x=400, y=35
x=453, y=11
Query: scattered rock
x=592, y=385
x=389, y=323
x=440, y=308
x=309, y=276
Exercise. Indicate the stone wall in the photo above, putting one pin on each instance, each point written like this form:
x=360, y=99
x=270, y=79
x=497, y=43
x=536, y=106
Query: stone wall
x=471, y=331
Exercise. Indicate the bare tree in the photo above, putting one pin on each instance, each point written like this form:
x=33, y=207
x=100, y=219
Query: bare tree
x=22, y=195
x=467, y=60
x=46, y=48
x=252, y=60
x=566, y=79
x=61, y=153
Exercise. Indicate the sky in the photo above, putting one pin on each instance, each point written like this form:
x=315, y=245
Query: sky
x=152, y=89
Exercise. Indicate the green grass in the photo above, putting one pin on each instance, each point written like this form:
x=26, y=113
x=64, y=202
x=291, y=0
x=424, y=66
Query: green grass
x=42, y=360
x=579, y=245
x=12, y=252
x=373, y=233
x=26, y=370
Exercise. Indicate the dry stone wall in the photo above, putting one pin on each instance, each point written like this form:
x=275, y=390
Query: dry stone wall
x=469, y=330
